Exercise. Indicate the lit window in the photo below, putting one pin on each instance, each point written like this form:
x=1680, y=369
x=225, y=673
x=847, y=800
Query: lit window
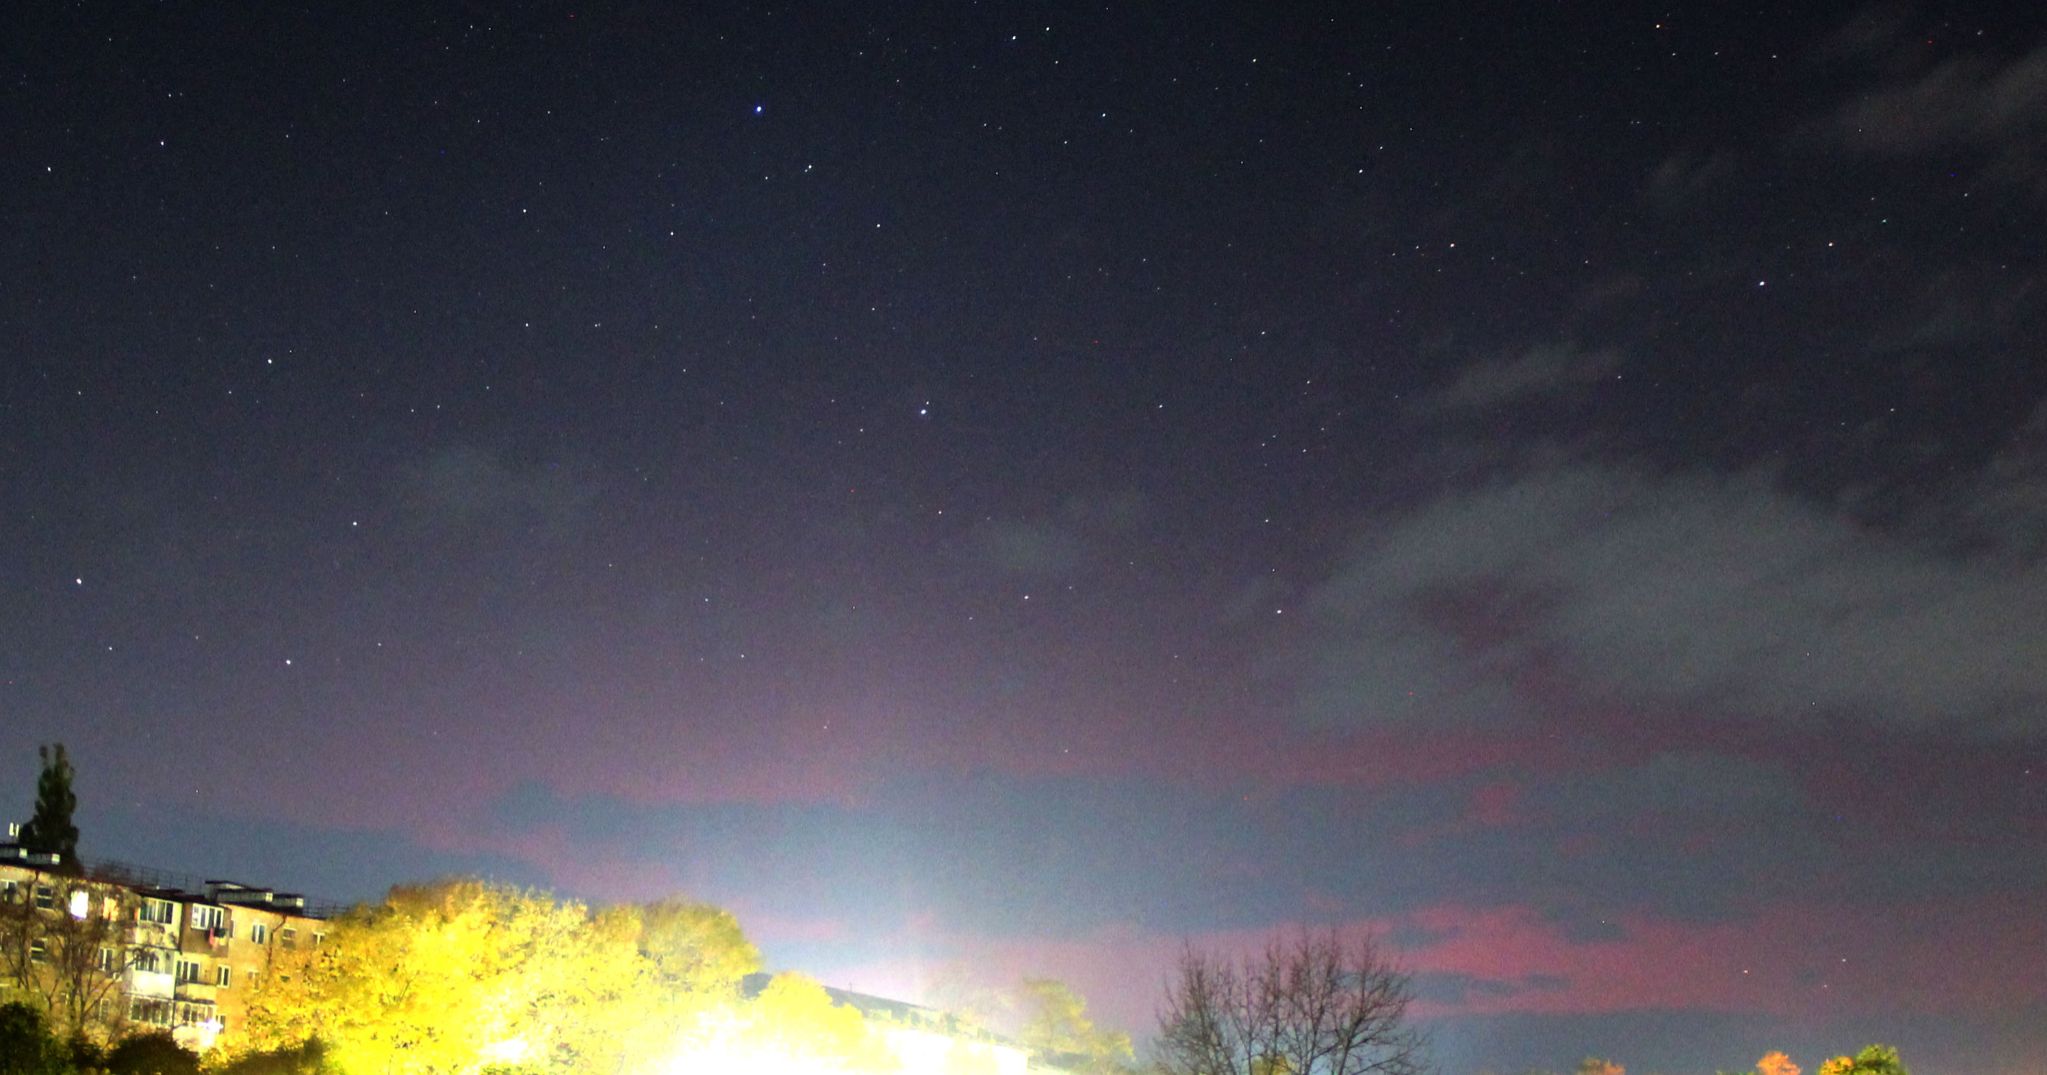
x=81, y=903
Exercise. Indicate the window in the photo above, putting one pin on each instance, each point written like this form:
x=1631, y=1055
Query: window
x=150, y=1010
x=207, y=918
x=259, y=933
x=188, y=970
x=161, y=912
x=222, y=976
x=46, y=897
x=147, y=961
x=37, y=951
x=110, y=961
x=317, y=938
x=288, y=937
x=10, y=890
x=81, y=903
x=249, y=977
x=110, y=907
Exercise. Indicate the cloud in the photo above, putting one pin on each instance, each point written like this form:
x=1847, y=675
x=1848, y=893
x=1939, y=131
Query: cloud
x=1977, y=308
x=2009, y=499
x=1686, y=176
x=1967, y=101
x=1995, y=105
x=1720, y=595
x=466, y=487
x=1540, y=371
x=1059, y=543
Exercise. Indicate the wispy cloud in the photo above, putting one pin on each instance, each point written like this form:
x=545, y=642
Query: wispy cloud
x=1722, y=594
x=1979, y=101
x=1548, y=370
x=1058, y=543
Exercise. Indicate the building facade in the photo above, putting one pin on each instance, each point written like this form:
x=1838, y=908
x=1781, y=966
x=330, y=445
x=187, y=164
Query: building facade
x=113, y=948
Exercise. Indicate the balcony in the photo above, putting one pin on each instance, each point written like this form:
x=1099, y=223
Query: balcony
x=196, y=992
x=154, y=935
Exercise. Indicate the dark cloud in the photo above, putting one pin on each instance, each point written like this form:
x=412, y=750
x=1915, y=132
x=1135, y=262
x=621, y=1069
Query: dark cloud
x=1685, y=177
x=1961, y=308
x=1459, y=989
x=1979, y=102
x=1720, y=593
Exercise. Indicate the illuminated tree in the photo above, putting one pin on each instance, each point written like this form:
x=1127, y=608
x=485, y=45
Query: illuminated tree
x=695, y=946
x=1873, y=1060
x=68, y=964
x=1057, y=1023
x=50, y=829
x=1315, y=1003
x=1776, y=1063
x=794, y=1025
x=454, y=976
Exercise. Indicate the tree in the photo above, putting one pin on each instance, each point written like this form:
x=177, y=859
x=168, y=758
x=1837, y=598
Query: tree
x=1311, y=1004
x=69, y=964
x=1593, y=1065
x=307, y=1059
x=793, y=1025
x=1057, y=1023
x=50, y=829
x=26, y=1046
x=151, y=1053
x=696, y=946
x=1872, y=1060
x=456, y=976
x=1776, y=1063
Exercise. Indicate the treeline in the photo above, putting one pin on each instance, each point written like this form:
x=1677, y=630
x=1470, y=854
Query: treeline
x=1872, y=1060
x=465, y=976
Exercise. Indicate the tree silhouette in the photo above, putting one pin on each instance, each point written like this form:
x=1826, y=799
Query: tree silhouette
x=51, y=829
x=1312, y=1004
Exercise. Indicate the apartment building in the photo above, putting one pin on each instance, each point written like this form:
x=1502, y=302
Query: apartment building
x=113, y=947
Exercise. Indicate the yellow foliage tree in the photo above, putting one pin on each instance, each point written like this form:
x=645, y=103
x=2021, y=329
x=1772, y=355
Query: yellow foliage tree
x=794, y=1025
x=1872, y=1060
x=1056, y=1022
x=1776, y=1063
x=447, y=977
x=695, y=946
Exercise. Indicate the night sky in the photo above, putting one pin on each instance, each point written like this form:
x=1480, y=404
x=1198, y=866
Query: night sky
x=987, y=489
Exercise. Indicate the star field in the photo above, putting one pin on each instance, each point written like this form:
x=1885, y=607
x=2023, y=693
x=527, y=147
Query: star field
x=1012, y=487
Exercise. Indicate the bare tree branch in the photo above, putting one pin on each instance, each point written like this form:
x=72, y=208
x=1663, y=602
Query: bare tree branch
x=1310, y=1004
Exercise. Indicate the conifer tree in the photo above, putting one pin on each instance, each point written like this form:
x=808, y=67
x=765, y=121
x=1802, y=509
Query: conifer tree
x=51, y=828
